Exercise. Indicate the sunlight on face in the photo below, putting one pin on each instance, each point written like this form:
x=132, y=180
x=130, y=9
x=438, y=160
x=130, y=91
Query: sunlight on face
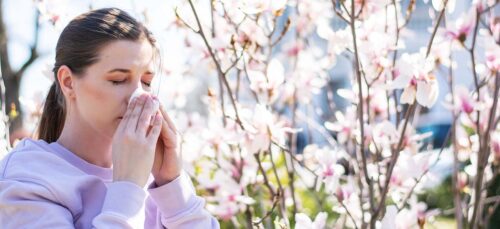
x=103, y=93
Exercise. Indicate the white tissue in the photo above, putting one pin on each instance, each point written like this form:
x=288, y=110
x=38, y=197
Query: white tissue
x=139, y=91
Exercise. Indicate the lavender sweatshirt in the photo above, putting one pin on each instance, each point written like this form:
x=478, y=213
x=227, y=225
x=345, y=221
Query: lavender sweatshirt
x=46, y=186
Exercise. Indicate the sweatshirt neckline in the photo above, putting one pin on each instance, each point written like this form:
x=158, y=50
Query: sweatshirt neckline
x=89, y=168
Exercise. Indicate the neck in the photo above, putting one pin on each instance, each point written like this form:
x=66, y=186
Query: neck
x=78, y=136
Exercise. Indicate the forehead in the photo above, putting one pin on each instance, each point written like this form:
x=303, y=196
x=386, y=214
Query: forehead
x=127, y=54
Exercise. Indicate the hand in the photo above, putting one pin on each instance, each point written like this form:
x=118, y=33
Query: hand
x=134, y=141
x=167, y=163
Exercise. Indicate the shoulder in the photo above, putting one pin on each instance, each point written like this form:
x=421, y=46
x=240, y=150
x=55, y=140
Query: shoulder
x=30, y=159
x=30, y=168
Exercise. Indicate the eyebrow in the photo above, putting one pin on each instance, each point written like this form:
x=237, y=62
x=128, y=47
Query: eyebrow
x=122, y=70
x=119, y=70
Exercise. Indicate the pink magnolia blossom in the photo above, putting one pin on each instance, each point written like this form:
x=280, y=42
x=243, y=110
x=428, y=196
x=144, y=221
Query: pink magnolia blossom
x=251, y=32
x=311, y=12
x=408, y=168
x=352, y=203
x=412, y=140
x=461, y=28
x=492, y=52
x=485, y=103
x=306, y=80
x=414, y=75
x=378, y=104
x=329, y=170
x=266, y=86
x=338, y=41
x=464, y=102
x=345, y=126
x=481, y=5
x=385, y=135
x=407, y=218
x=228, y=194
x=259, y=6
x=304, y=222
x=262, y=128
x=439, y=5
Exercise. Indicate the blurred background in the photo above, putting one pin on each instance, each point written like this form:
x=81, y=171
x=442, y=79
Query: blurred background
x=29, y=31
x=28, y=37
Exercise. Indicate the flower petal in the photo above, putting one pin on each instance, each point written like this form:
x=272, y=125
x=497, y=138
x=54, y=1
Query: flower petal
x=408, y=95
x=427, y=93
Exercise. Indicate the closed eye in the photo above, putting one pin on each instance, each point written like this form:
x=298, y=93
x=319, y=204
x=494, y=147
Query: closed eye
x=117, y=82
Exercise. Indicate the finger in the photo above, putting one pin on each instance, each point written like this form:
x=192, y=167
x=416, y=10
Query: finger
x=169, y=137
x=155, y=108
x=167, y=118
x=125, y=118
x=145, y=117
x=167, y=134
x=156, y=129
x=158, y=155
x=136, y=112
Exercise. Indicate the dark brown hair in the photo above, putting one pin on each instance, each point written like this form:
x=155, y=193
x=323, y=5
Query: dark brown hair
x=78, y=47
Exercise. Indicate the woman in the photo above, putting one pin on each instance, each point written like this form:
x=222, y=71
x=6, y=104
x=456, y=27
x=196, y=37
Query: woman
x=99, y=155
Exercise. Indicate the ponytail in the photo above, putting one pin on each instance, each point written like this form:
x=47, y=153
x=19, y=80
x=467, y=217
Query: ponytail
x=53, y=116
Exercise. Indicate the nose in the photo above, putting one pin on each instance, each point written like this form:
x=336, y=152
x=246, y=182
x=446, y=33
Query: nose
x=138, y=91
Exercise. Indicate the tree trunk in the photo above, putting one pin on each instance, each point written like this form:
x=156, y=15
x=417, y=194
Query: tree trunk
x=12, y=85
x=12, y=79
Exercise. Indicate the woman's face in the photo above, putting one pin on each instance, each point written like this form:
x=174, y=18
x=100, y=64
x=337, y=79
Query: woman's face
x=103, y=92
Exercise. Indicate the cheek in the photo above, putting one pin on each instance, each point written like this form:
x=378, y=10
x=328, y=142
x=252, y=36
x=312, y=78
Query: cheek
x=99, y=101
x=93, y=92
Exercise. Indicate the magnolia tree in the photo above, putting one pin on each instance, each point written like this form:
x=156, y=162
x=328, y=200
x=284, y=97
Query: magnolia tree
x=260, y=64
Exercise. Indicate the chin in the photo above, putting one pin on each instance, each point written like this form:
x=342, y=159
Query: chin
x=109, y=130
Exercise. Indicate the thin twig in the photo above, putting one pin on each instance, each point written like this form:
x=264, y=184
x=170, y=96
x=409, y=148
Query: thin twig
x=407, y=197
x=275, y=202
x=409, y=113
x=280, y=187
x=266, y=180
x=360, y=110
x=456, y=192
x=347, y=211
x=484, y=154
x=217, y=64
x=183, y=21
x=392, y=164
x=429, y=45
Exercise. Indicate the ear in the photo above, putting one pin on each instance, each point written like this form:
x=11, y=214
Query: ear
x=66, y=79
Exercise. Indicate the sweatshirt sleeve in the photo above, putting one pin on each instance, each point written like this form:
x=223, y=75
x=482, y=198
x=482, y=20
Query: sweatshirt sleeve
x=27, y=204
x=176, y=205
x=122, y=206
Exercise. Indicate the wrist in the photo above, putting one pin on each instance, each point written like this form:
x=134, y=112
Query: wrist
x=135, y=180
x=165, y=180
